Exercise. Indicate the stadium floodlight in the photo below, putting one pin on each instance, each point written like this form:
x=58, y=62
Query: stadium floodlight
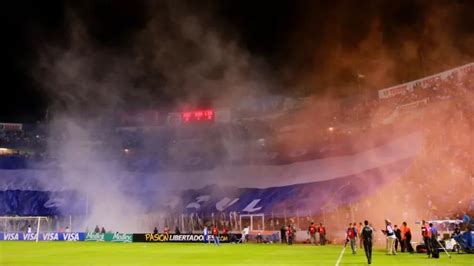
x=13, y=223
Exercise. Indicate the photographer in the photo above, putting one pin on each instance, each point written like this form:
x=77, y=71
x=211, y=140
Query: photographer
x=390, y=233
x=426, y=234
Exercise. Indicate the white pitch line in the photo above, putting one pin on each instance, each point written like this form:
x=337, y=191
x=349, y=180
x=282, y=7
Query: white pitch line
x=340, y=255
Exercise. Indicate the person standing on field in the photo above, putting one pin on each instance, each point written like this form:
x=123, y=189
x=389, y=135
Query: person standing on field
x=322, y=234
x=289, y=235
x=398, y=235
x=426, y=234
x=434, y=241
x=215, y=234
x=245, y=234
x=351, y=236
x=312, y=233
x=367, y=235
x=406, y=238
x=359, y=233
x=390, y=238
x=283, y=234
x=206, y=234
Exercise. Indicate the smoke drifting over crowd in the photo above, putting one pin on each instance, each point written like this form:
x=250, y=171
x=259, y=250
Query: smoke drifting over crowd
x=176, y=53
x=182, y=55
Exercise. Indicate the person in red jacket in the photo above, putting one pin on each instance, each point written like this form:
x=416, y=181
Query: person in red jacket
x=312, y=233
x=215, y=234
x=351, y=237
x=225, y=231
x=322, y=234
x=289, y=234
x=426, y=234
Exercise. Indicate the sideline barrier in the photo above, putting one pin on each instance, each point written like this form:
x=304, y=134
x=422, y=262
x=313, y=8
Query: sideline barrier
x=55, y=236
x=109, y=237
x=115, y=237
x=184, y=238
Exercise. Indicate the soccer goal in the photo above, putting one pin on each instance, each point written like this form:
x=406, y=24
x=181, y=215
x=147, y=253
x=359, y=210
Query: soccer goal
x=29, y=225
x=254, y=221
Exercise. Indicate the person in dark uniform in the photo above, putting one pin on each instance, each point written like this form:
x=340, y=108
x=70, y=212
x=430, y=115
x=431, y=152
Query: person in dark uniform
x=367, y=236
x=283, y=234
x=398, y=235
x=457, y=231
x=434, y=241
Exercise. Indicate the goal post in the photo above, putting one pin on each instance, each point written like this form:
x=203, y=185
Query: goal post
x=28, y=224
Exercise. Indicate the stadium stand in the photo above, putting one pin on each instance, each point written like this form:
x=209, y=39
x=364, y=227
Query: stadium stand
x=260, y=139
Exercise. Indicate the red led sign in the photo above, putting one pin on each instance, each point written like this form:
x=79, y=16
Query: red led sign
x=197, y=116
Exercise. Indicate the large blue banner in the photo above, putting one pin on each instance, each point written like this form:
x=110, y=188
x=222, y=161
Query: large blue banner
x=299, y=199
x=54, y=236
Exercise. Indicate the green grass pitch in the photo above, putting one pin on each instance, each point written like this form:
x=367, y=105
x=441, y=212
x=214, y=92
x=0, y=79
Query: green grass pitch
x=92, y=253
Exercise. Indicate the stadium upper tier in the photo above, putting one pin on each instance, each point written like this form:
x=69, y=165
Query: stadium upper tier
x=269, y=130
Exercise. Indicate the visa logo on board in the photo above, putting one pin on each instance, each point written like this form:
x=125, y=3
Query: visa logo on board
x=50, y=236
x=71, y=236
x=12, y=236
x=29, y=236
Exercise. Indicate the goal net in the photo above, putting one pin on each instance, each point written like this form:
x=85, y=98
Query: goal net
x=29, y=226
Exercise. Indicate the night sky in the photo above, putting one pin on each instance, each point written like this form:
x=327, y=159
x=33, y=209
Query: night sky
x=306, y=46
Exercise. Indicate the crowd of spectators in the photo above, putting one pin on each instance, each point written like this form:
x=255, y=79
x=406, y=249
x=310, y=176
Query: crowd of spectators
x=262, y=139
